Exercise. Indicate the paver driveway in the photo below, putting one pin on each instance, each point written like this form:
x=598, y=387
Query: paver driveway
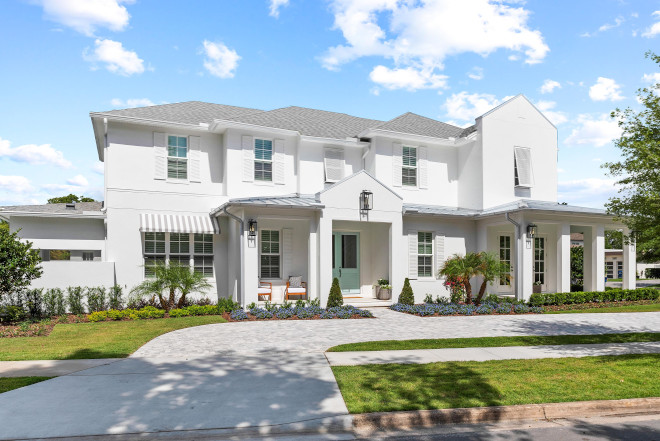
x=247, y=374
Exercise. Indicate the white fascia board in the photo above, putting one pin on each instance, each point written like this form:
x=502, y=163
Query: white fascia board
x=99, y=127
x=201, y=127
x=408, y=137
x=349, y=142
x=220, y=125
x=4, y=214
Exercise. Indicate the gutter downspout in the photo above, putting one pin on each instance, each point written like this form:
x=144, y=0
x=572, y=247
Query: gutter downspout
x=518, y=253
x=240, y=247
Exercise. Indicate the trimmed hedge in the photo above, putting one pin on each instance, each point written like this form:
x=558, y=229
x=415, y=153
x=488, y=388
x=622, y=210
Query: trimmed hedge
x=652, y=273
x=612, y=295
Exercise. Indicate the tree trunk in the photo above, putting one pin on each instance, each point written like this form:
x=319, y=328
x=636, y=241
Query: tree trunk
x=468, y=293
x=482, y=291
x=182, y=301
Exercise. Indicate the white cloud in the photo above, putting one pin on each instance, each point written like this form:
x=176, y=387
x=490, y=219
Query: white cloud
x=116, y=59
x=476, y=73
x=594, y=131
x=98, y=168
x=555, y=116
x=420, y=35
x=15, y=184
x=589, y=191
x=655, y=27
x=651, y=78
x=220, y=61
x=607, y=26
x=275, y=6
x=132, y=102
x=466, y=107
x=33, y=154
x=605, y=89
x=78, y=181
x=549, y=86
x=85, y=16
x=407, y=78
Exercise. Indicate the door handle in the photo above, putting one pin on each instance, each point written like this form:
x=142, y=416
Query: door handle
x=339, y=272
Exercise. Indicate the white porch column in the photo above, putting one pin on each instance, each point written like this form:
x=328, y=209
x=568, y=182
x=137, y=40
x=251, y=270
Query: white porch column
x=398, y=257
x=594, y=258
x=525, y=264
x=313, y=259
x=629, y=264
x=324, y=258
x=250, y=267
x=564, y=257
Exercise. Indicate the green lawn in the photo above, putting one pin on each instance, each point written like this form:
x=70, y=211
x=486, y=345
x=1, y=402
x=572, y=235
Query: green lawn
x=392, y=387
x=485, y=342
x=10, y=383
x=651, y=307
x=95, y=340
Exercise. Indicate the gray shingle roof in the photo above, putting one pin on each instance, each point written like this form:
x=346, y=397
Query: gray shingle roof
x=309, y=122
x=188, y=112
x=420, y=125
x=54, y=208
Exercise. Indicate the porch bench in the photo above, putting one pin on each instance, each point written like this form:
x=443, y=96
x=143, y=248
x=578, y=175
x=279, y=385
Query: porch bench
x=289, y=291
x=265, y=289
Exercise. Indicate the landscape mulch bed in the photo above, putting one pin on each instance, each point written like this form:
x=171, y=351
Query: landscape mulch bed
x=252, y=318
x=597, y=305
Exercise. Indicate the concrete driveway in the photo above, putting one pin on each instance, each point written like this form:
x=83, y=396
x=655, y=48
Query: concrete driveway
x=264, y=377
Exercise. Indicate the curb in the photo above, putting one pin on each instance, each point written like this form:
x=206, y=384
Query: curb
x=368, y=423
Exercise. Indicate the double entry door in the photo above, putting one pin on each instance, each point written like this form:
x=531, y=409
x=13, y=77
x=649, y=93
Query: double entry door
x=346, y=261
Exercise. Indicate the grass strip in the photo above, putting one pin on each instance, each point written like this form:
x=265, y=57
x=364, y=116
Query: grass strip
x=95, y=340
x=11, y=383
x=486, y=342
x=652, y=307
x=394, y=387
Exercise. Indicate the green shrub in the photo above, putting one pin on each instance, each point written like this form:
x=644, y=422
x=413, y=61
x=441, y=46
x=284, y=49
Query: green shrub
x=74, y=299
x=150, y=312
x=33, y=303
x=180, y=312
x=96, y=299
x=407, y=297
x=115, y=314
x=335, y=298
x=97, y=316
x=11, y=314
x=54, y=304
x=115, y=297
x=612, y=295
x=227, y=305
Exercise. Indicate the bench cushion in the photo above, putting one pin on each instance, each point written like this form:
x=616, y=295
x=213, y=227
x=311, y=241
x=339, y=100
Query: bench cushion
x=297, y=290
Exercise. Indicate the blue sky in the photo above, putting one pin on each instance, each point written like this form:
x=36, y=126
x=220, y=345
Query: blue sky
x=443, y=59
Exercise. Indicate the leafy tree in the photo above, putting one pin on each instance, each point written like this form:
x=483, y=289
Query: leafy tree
x=613, y=240
x=171, y=284
x=335, y=298
x=69, y=199
x=4, y=225
x=463, y=268
x=19, y=263
x=407, y=297
x=490, y=268
x=638, y=202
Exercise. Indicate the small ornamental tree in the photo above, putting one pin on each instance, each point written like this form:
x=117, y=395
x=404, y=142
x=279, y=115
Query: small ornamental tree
x=491, y=268
x=19, y=263
x=407, y=297
x=335, y=298
x=171, y=284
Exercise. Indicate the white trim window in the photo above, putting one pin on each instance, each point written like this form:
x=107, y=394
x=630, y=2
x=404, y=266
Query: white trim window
x=203, y=258
x=270, y=254
x=263, y=160
x=609, y=270
x=539, y=261
x=505, y=257
x=154, y=252
x=424, y=254
x=177, y=157
x=409, y=166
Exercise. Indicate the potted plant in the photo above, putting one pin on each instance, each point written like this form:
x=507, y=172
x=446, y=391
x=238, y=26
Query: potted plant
x=537, y=287
x=384, y=289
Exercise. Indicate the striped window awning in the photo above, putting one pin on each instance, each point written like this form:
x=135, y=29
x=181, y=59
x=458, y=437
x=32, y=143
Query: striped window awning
x=170, y=223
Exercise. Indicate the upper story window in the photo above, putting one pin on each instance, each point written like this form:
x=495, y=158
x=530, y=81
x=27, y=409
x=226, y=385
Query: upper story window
x=263, y=160
x=409, y=166
x=177, y=157
x=522, y=167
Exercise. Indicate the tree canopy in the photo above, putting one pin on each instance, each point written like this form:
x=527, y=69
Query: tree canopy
x=19, y=263
x=69, y=199
x=638, y=172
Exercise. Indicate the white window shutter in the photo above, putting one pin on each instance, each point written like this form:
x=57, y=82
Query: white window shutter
x=334, y=165
x=287, y=253
x=523, y=158
x=194, y=153
x=279, y=173
x=439, y=252
x=397, y=163
x=422, y=164
x=160, y=155
x=412, y=254
x=247, y=143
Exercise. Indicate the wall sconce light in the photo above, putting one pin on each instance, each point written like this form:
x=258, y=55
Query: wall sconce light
x=252, y=228
x=366, y=200
x=531, y=231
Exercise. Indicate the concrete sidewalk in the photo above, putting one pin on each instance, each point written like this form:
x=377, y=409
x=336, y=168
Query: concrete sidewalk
x=50, y=368
x=423, y=356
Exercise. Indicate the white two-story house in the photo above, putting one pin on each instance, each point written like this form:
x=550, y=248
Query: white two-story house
x=248, y=196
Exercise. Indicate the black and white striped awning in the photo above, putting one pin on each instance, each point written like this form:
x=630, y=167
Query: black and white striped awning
x=170, y=223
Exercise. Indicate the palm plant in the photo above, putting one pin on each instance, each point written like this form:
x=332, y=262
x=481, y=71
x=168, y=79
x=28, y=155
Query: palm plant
x=462, y=268
x=170, y=280
x=491, y=268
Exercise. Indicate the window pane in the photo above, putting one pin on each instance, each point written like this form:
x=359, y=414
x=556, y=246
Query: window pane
x=171, y=141
x=203, y=243
x=183, y=141
x=60, y=255
x=177, y=168
x=179, y=243
x=270, y=267
x=204, y=265
x=150, y=262
x=349, y=251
